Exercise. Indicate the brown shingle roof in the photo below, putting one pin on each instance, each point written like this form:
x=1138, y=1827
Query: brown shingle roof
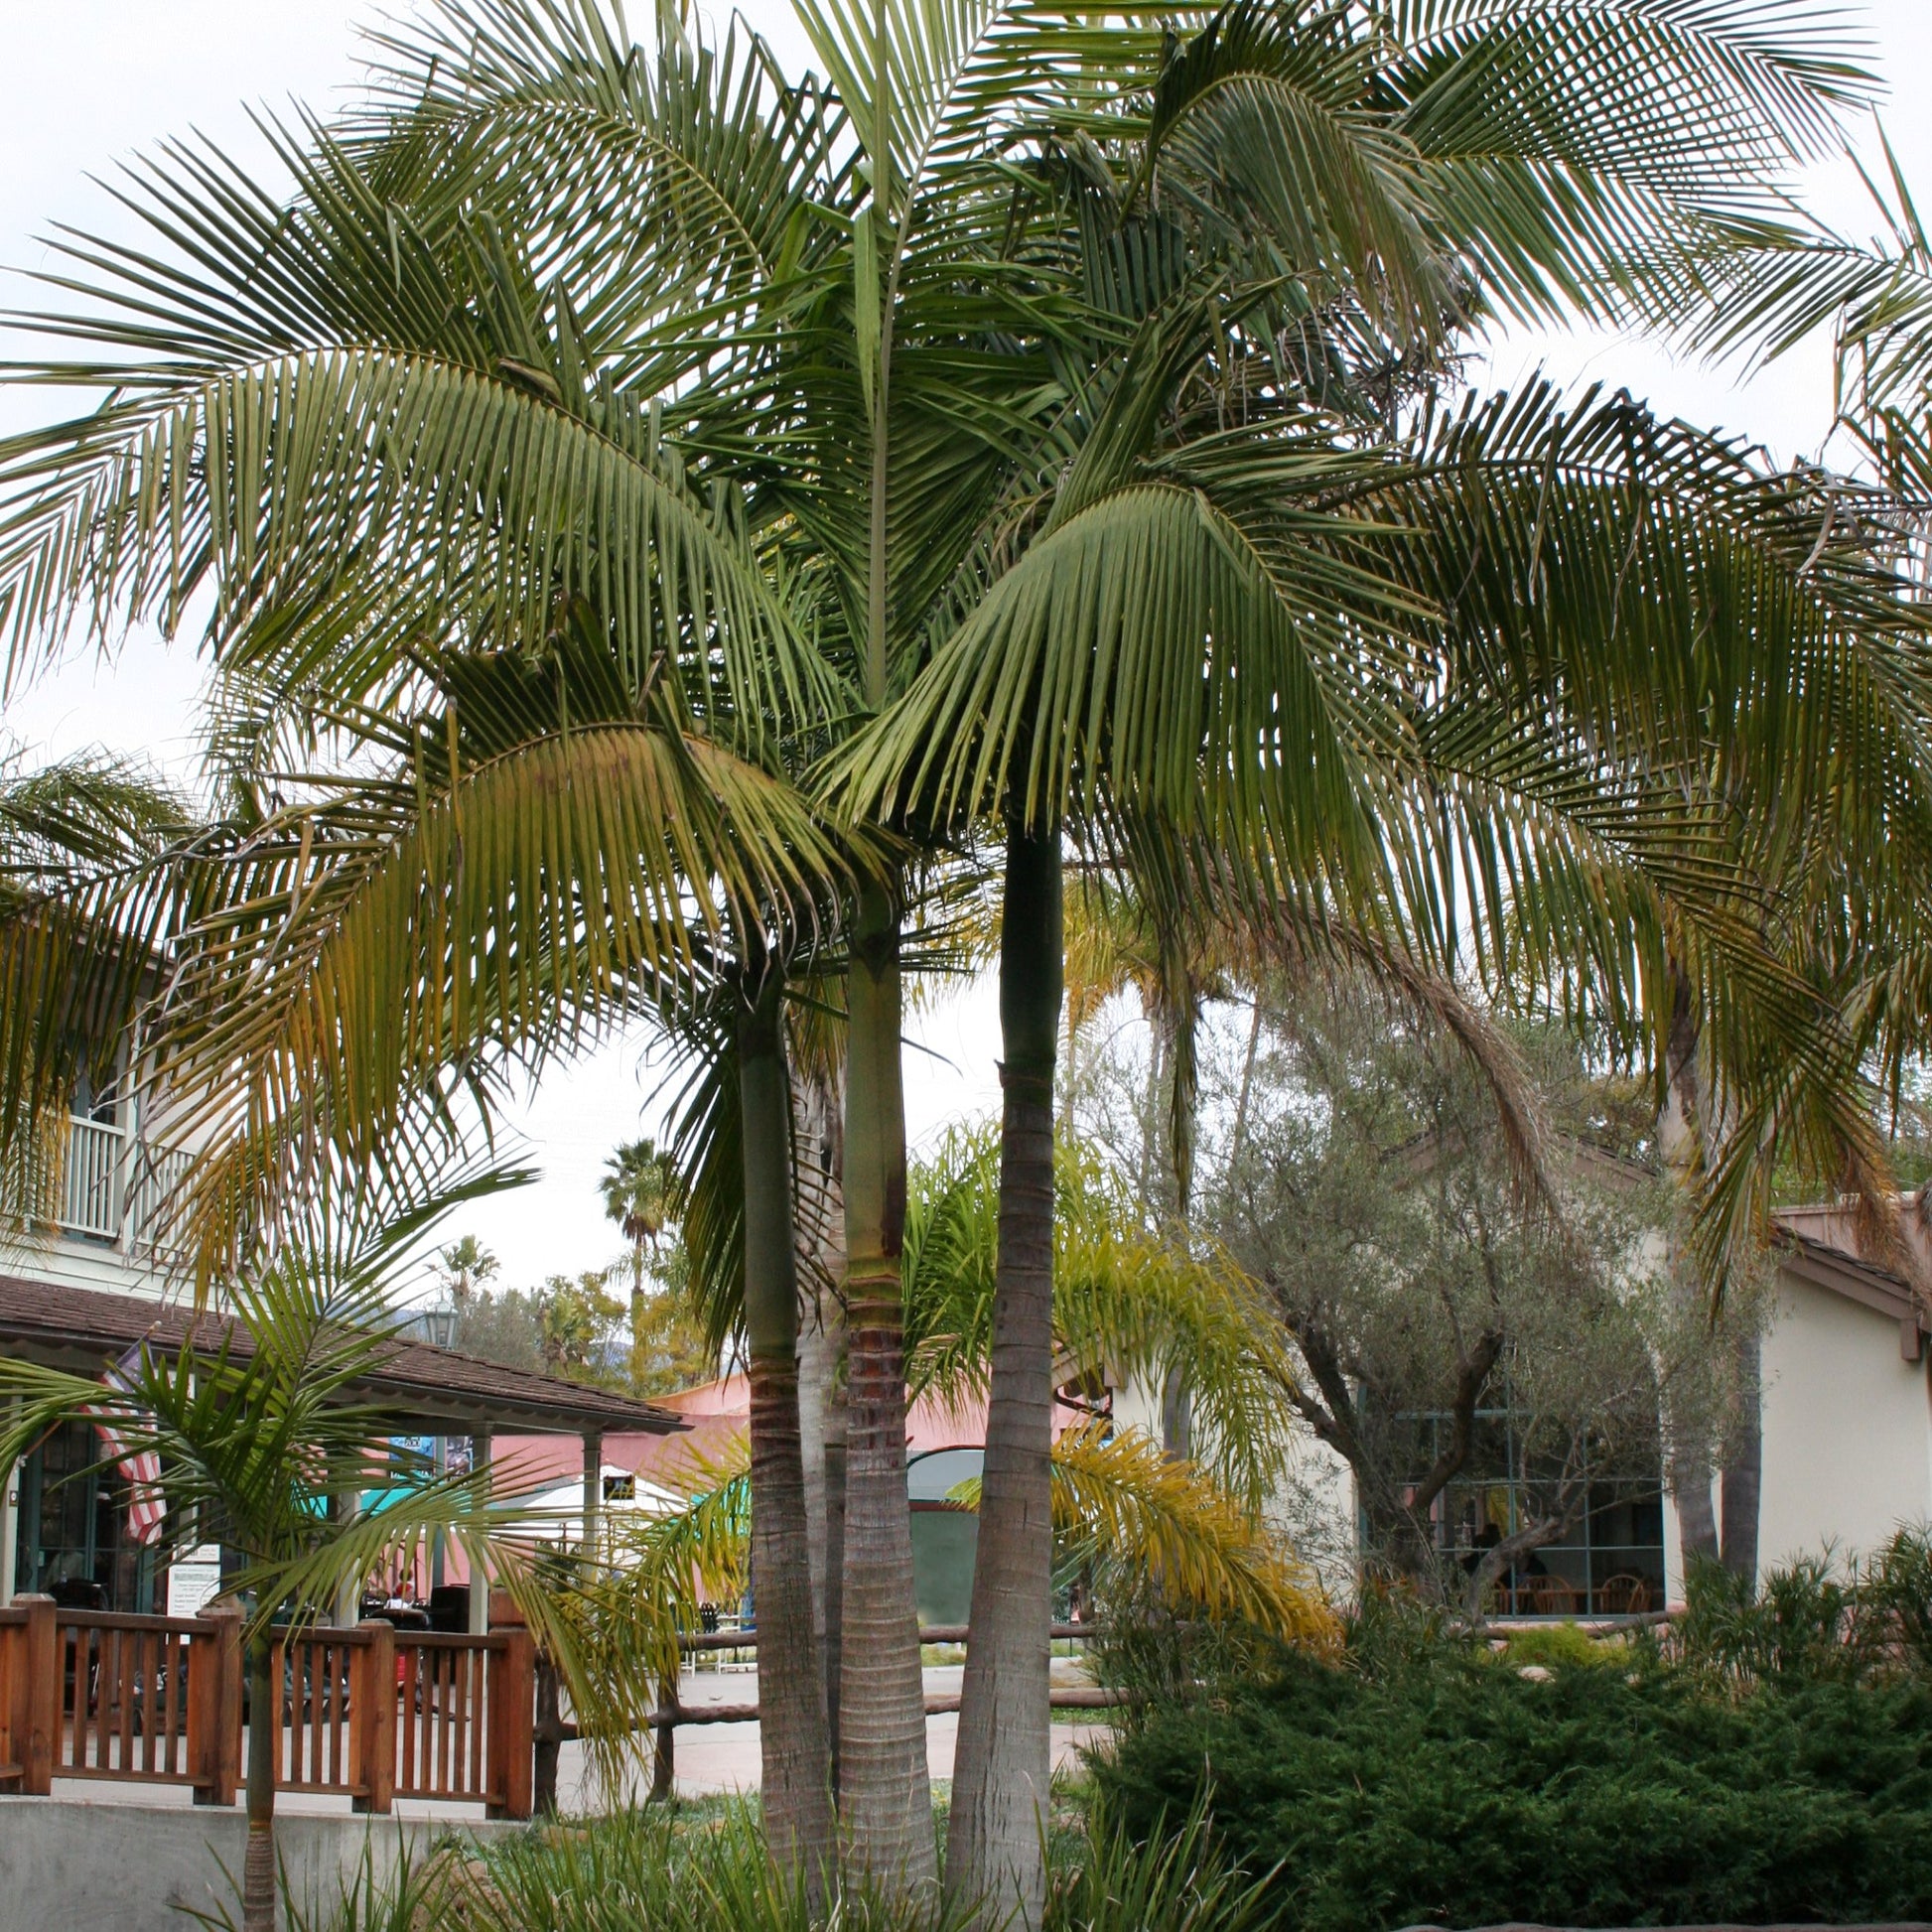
x=76, y=1327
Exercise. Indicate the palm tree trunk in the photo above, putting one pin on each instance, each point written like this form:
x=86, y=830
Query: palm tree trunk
x=884, y=1794
x=1001, y=1773
x=264, y=1723
x=822, y=1364
x=1240, y=1137
x=1743, y=1467
x=821, y=1425
x=795, y=1759
x=1679, y=1127
x=1697, y=1521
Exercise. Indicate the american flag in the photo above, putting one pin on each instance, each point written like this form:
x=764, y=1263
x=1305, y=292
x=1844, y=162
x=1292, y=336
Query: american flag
x=142, y=1468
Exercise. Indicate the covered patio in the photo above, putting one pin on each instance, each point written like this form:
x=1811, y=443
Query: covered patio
x=433, y=1392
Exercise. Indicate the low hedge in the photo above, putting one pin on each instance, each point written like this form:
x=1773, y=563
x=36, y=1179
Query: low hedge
x=1458, y=1792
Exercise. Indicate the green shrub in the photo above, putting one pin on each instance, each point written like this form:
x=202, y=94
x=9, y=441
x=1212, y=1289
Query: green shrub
x=1563, y=1646
x=1802, y=1625
x=1454, y=1792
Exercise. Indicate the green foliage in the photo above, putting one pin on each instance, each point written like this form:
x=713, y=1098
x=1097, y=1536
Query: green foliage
x=463, y=1268
x=1128, y=1299
x=1562, y=1646
x=577, y=1321
x=1454, y=1792
x=1169, y=1881
x=705, y=1868
x=658, y=1868
x=504, y=1327
x=638, y=1183
x=1800, y=1626
x=372, y=1895
x=1815, y=1618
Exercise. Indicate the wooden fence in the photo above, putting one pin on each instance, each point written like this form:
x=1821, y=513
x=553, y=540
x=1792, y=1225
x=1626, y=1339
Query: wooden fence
x=371, y=1713
x=676, y=1716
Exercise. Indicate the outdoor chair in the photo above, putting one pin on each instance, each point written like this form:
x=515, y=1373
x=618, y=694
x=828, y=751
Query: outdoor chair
x=1624, y=1595
x=1549, y=1596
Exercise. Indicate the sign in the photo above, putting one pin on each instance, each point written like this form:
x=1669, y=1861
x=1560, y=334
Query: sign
x=195, y=1579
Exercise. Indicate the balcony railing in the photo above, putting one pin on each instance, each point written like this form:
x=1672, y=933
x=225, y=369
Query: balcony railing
x=113, y=1186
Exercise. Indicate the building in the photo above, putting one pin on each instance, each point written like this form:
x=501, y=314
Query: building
x=84, y=1288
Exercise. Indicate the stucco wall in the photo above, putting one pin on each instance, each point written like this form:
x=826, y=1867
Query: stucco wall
x=140, y=1867
x=1847, y=1428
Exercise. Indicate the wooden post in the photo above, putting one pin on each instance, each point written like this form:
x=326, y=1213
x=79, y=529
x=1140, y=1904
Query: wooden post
x=215, y=1707
x=512, y=1694
x=372, y=1717
x=37, y=1697
x=12, y=1639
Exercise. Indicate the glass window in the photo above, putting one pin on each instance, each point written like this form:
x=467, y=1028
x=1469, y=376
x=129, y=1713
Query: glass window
x=1608, y=1561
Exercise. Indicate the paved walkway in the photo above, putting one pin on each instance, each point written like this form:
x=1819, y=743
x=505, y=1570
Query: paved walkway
x=711, y=1758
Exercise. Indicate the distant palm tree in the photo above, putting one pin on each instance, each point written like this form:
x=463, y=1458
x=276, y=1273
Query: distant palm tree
x=463, y=1268
x=639, y=1186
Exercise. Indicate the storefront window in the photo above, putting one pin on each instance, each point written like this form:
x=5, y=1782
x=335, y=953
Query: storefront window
x=73, y=1543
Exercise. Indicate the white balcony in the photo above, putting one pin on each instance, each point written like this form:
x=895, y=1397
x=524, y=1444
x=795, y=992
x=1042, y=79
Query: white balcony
x=113, y=1186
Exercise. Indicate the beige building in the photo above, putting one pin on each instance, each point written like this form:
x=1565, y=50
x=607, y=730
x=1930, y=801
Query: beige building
x=1846, y=1399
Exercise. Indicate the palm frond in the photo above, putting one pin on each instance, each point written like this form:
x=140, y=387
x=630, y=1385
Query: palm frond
x=1118, y=1498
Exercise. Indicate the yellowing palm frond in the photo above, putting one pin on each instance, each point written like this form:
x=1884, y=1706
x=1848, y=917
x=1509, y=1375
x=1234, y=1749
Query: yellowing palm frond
x=1120, y=1500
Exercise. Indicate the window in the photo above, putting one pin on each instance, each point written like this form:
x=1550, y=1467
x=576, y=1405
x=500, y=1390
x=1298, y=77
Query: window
x=1609, y=1559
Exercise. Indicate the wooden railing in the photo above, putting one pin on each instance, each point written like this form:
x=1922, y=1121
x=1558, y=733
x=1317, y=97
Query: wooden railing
x=370, y=1712
x=113, y=1185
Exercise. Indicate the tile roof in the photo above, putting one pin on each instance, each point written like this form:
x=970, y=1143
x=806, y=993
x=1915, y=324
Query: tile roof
x=75, y=1328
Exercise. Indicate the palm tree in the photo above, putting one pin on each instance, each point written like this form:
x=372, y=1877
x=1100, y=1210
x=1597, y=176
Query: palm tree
x=269, y=1442
x=600, y=434
x=636, y=1186
x=76, y=837
x=463, y=1268
x=1118, y=640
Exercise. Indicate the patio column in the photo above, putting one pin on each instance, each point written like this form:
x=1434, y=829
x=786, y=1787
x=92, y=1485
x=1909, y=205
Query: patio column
x=9, y=1518
x=348, y=1606
x=592, y=1484
x=478, y=1578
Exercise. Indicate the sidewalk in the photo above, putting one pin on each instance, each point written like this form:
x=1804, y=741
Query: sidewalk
x=713, y=1758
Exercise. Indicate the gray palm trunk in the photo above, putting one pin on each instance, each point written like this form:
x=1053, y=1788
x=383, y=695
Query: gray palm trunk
x=820, y=1137
x=822, y=1423
x=1678, y=1127
x=1743, y=1467
x=885, y=1793
x=264, y=1721
x=794, y=1754
x=1003, y=1761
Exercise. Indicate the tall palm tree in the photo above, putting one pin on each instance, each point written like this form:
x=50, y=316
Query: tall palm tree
x=1119, y=652
x=1031, y=376
x=636, y=1185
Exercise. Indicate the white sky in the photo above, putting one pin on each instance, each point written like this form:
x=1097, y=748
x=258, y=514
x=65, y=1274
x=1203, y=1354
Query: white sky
x=91, y=82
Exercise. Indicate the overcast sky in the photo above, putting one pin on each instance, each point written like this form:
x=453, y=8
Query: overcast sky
x=89, y=83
